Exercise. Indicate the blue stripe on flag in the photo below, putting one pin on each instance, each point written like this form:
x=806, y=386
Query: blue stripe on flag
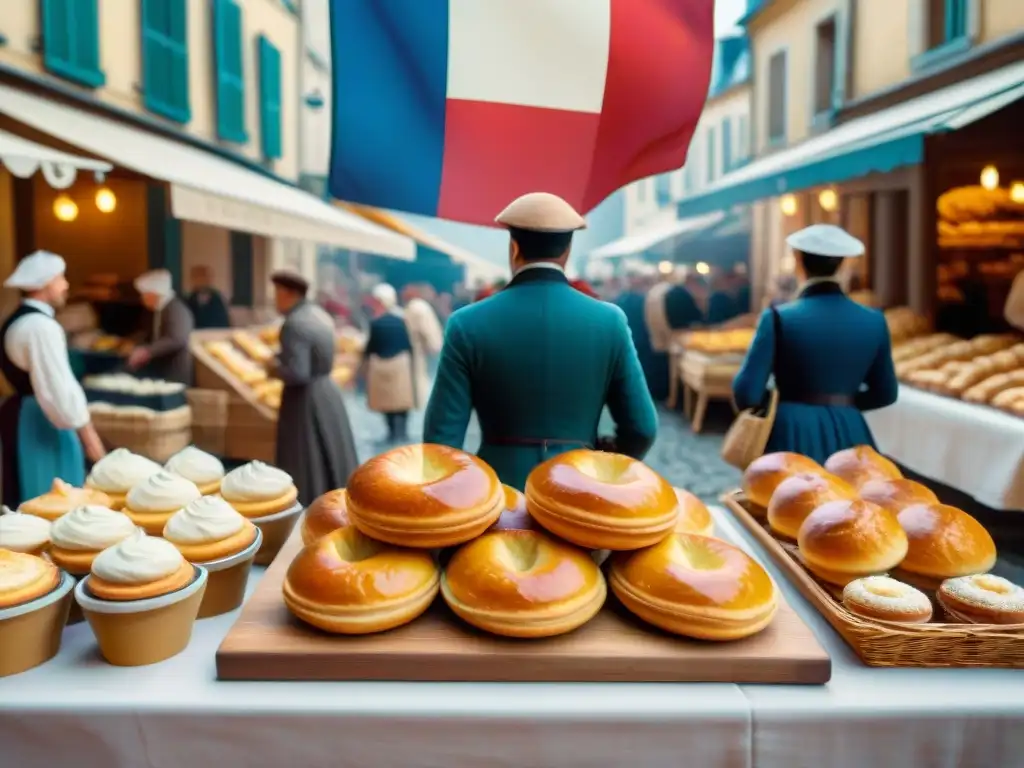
x=390, y=62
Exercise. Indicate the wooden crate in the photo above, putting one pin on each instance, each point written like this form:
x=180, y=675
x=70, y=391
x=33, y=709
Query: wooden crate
x=267, y=643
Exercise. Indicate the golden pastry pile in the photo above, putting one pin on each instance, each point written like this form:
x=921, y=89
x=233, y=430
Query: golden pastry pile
x=724, y=342
x=975, y=217
x=987, y=369
x=882, y=544
x=368, y=564
x=905, y=324
x=247, y=355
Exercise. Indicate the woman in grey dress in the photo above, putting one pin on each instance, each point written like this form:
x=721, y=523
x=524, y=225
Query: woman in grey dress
x=314, y=438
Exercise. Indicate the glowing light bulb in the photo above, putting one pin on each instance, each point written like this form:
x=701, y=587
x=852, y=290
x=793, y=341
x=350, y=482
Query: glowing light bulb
x=787, y=205
x=65, y=209
x=1017, y=192
x=702, y=268
x=990, y=177
x=828, y=200
x=665, y=267
x=106, y=201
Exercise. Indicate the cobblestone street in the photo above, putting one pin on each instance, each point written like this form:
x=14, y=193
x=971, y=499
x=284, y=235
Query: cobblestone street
x=686, y=460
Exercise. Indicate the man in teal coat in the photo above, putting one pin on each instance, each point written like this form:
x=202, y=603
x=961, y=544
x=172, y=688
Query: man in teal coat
x=539, y=360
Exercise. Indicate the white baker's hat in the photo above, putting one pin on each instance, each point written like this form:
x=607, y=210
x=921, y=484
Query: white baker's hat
x=35, y=271
x=826, y=240
x=157, y=281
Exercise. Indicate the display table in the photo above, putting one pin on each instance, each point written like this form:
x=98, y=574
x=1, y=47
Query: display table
x=704, y=378
x=78, y=711
x=972, y=448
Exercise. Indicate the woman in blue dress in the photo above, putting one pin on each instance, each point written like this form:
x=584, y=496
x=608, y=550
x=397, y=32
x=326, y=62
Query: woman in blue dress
x=831, y=357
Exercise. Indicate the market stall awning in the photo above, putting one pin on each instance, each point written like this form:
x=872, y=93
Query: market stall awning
x=23, y=158
x=665, y=236
x=876, y=143
x=476, y=266
x=206, y=188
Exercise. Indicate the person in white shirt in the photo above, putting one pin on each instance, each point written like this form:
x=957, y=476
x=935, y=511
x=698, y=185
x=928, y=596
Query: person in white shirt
x=1014, y=310
x=45, y=425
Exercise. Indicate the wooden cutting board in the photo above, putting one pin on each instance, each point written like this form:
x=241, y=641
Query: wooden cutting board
x=267, y=643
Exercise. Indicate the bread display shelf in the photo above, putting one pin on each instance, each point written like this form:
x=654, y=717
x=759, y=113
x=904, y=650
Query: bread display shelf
x=885, y=644
x=267, y=643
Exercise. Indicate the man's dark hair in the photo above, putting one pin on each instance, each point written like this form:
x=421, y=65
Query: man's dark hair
x=536, y=246
x=819, y=266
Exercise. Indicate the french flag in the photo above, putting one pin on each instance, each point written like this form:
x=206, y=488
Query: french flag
x=453, y=108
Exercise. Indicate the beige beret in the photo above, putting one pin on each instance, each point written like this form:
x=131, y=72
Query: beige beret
x=541, y=212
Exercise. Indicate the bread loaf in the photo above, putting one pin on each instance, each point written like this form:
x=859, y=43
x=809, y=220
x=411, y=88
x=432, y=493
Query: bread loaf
x=992, y=386
x=1008, y=398
x=984, y=367
x=920, y=346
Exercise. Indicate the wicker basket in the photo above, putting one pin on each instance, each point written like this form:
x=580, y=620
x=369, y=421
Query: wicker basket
x=887, y=644
x=157, y=435
x=209, y=419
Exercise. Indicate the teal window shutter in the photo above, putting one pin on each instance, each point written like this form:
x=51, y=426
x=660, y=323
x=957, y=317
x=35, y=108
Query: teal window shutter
x=956, y=19
x=71, y=40
x=270, y=99
x=726, y=145
x=711, y=155
x=230, y=73
x=165, y=58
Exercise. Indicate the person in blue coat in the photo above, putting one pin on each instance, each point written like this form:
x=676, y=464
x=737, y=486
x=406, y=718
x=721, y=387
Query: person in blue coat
x=831, y=357
x=539, y=360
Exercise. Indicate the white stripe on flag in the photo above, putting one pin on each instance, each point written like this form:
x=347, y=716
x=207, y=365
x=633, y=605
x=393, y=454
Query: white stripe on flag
x=536, y=53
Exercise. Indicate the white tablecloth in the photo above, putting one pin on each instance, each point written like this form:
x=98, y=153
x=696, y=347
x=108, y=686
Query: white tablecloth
x=972, y=448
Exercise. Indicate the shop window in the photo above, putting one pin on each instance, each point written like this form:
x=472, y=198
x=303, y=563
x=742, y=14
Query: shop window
x=71, y=40
x=711, y=155
x=946, y=22
x=230, y=73
x=726, y=145
x=777, y=97
x=663, y=189
x=270, y=99
x=743, y=139
x=825, y=66
x=165, y=58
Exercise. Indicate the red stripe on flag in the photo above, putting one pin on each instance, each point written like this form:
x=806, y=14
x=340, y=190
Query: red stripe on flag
x=495, y=152
x=659, y=67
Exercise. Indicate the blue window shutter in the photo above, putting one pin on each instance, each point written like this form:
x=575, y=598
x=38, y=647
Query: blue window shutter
x=726, y=145
x=71, y=40
x=230, y=77
x=270, y=99
x=165, y=58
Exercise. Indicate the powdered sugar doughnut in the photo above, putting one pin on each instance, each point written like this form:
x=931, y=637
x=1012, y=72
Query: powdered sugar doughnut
x=879, y=597
x=983, y=599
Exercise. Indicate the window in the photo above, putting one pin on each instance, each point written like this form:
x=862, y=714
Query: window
x=825, y=66
x=777, y=97
x=743, y=140
x=270, y=99
x=230, y=77
x=165, y=58
x=946, y=22
x=711, y=155
x=726, y=145
x=71, y=40
x=663, y=189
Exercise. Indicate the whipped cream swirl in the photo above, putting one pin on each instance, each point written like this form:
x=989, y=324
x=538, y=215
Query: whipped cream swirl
x=162, y=492
x=255, y=481
x=198, y=466
x=206, y=519
x=90, y=528
x=120, y=469
x=139, y=559
x=22, y=533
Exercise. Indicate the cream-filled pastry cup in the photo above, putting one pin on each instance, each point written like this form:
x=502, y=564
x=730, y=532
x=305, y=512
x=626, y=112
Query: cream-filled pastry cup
x=23, y=533
x=34, y=602
x=267, y=496
x=61, y=499
x=118, y=472
x=209, y=532
x=151, y=502
x=80, y=535
x=202, y=468
x=141, y=600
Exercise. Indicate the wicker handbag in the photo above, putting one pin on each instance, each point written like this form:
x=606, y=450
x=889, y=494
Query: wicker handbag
x=748, y=436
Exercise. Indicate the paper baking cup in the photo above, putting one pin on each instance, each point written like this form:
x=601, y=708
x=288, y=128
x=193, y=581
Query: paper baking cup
x=75, y=615
x=276, y=529
x=225, y=587
x=133, y=633
x=30, y=633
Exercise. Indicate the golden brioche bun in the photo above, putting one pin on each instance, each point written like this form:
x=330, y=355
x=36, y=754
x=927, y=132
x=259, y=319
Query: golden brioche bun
x=896, y=494
x=845, y=540
x=25, y=577
x=514, y=517
x=799, y=495
x=860, y=464
x=982, y=599
x=425, y=496
x=885, y=599
x=696, y=586
x=944, y=542
x=347, y=583
x=327, y=513
x=765, y=473
x=601, y=500
x=694, y=516
x=523, y=584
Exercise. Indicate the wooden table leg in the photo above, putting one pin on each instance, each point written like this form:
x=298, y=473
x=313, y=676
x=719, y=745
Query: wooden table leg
x=673, y=381
x=687, y=400
x=699, y=411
